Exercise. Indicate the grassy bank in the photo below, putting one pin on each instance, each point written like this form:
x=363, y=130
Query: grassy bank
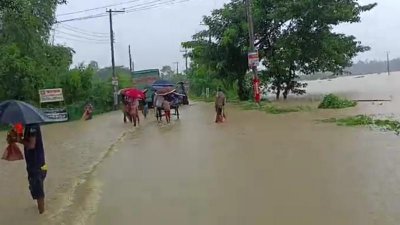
x=272, y=108
x=364, y=120
x=332, y=101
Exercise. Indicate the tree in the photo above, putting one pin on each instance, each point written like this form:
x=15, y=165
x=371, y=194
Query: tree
x=167, y=72
x=94, y=65
x=297, y=38
x=27, y=60
x=222, y=49
x=293, y=38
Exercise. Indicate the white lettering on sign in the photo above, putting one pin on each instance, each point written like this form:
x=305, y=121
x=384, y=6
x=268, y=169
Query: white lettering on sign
x=51, y=95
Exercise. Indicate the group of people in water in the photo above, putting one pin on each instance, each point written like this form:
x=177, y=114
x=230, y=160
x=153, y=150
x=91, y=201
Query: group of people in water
x=160, y=103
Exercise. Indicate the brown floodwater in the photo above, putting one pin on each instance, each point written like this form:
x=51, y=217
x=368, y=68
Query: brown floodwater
x=256, y=168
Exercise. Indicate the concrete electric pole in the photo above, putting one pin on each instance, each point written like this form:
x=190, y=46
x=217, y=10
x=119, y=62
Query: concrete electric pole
x=114, y=75
x=177, y=67
x=186, y=59
x=388, y=63
x=130, y=59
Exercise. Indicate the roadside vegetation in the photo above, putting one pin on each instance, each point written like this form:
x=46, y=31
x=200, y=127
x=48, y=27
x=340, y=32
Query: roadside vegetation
x=332, y=101
x=291, y=43
x=272, y=108
x=28, y=62
x=364, y=120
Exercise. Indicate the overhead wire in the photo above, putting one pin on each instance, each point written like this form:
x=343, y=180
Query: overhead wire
x=83, y=18
x=97, y=8
x=136, y=8
x=80, y=40
x=83, y=32
x=81, y=36
x=170, y=2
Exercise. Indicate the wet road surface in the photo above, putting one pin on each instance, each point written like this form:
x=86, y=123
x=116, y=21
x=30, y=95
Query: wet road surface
x=254, y=169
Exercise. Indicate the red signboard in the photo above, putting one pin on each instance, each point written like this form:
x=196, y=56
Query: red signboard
x=253, y=59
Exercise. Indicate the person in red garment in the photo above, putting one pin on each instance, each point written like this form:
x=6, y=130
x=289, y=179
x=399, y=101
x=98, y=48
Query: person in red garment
x=256, y=90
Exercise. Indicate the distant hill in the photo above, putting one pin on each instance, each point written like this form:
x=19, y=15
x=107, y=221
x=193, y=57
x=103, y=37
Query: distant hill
x=370, y=67
x=359, y=68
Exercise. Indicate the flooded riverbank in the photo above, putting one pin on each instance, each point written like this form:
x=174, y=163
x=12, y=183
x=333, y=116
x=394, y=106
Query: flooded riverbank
x=256, y=168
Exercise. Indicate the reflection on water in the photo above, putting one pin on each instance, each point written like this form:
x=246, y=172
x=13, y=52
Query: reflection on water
x=254, y=169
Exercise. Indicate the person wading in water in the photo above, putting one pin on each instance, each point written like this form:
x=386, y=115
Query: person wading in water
x=35, y=162
x=220, y=101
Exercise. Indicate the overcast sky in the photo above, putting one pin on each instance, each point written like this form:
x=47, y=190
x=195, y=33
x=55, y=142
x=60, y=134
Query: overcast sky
x=155, y=34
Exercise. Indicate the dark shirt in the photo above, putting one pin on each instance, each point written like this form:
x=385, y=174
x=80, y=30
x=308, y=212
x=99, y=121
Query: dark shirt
x=34, y=157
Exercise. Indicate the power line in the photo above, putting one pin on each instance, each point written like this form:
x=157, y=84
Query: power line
x=83, y=18
x=80, y=40
x=141, y=7
x=86, y=33
x=82, y=30
x=83, y=37
x=155, y=5
x=97, y=8
x=143, y=4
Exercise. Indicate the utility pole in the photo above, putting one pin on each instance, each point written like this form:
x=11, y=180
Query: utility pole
x=388, y=63
x=251, y=41
x=54, y=34
x=186, y=59
x=114, y=76
x=177, y=67
x=130, y=59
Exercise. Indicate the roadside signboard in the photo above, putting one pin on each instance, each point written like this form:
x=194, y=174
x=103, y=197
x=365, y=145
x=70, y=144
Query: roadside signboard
x=253, y=59
x=52, y=96
x=56, y=114
x=114, y=81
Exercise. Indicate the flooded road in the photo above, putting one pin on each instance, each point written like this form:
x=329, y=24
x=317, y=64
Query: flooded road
x=254, y=169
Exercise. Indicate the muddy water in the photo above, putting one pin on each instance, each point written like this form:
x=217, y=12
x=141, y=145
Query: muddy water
x=72, y=150
x=254, y=169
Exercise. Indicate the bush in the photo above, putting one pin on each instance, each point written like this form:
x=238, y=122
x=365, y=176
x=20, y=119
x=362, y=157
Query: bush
x=363, y=120
x=332, y=101
x=359, y=120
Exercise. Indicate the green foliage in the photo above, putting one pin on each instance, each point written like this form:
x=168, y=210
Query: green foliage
x=364, y=120
x=294, y=42
x=28, y=63
x=167, y=72
x=332, y=101
x=219, y=55
x=290, y=41
x=272, y=108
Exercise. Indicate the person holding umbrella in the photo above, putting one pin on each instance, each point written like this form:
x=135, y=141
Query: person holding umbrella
x=13, y=112
x=35, y=163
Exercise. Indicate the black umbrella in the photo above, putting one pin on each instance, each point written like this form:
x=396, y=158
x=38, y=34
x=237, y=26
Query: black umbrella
x=12, y=112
